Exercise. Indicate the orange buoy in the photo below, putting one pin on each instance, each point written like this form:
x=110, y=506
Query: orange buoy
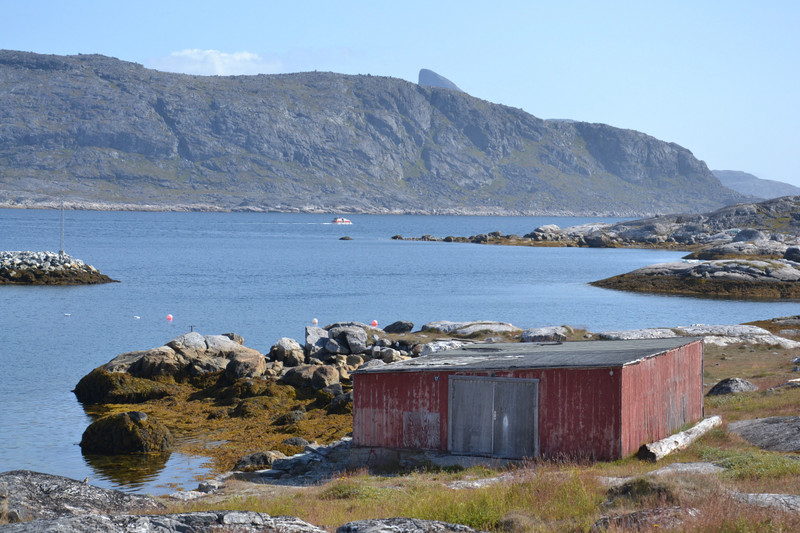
x=169, y=318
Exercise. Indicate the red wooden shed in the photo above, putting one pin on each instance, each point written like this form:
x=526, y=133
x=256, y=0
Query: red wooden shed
x=594, y=399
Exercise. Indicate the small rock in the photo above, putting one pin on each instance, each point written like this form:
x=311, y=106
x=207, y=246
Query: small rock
x=258, y=461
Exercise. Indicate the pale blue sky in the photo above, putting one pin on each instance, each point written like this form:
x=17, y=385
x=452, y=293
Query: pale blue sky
x=721, y=78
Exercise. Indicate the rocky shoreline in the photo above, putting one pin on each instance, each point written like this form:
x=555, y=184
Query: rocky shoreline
x=238, y=383
x=47, y=268
x=742, y=251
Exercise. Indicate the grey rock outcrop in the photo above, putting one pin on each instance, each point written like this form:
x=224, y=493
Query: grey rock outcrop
x=545, y=334
x=777, y=433
x=33, y=496
x=191, y=354
x=316, y=142
x=428, y=78
x=403, y=525
x=470, y=328
x=632, y=334
x=201, y=522
x=731, y=386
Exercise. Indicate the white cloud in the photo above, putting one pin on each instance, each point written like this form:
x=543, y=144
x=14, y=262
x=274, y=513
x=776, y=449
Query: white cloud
x=214, y=62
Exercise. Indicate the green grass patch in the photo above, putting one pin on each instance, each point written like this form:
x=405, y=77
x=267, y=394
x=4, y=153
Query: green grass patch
x=752, y=464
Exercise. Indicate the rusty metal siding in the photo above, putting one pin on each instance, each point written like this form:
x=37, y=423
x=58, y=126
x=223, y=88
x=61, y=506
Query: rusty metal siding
x=661, y=394
x=400, y=410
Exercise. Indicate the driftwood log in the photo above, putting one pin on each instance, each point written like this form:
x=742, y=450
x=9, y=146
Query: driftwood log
x=660, y=448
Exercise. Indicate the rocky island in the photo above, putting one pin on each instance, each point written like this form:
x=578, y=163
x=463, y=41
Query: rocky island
x=739, y=251
x=47, y=268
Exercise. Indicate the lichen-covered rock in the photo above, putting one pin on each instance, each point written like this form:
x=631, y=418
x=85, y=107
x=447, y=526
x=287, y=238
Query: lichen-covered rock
x=132, y=432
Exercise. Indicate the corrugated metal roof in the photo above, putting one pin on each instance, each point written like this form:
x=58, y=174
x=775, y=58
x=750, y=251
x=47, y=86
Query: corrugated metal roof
x=507, y=356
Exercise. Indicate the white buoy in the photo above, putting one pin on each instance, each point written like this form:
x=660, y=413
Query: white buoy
x=315, y=321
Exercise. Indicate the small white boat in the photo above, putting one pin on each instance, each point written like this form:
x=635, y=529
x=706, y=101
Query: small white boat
x=341, y=220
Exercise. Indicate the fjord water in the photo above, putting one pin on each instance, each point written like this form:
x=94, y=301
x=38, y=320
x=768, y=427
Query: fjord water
x=266, y=276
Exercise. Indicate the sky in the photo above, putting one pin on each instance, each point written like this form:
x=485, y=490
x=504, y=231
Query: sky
x=721, y=78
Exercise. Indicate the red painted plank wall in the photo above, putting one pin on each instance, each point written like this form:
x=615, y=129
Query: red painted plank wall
x=403, y=410
x=662, y=393
x=579, y=411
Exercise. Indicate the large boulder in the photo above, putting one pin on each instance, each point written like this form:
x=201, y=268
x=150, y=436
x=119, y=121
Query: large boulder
x=352, y=339
x=324, y=376
x=101, y=386
x=749, y=234
x=732, y=386
x=299, y=376
x=401, y=326
x=132, y=432
x=287, y=351
x=315, y=340
x=246, y=365
x=792, y=253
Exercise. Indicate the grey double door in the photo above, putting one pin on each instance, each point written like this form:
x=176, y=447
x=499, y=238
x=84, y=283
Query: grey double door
x=493, y=416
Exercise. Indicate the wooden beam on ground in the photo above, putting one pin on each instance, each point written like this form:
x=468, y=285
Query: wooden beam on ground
x=659, y=449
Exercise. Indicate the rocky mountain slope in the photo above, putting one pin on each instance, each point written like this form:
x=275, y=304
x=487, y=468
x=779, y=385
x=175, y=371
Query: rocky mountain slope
x=751, y=185
x=93, y=131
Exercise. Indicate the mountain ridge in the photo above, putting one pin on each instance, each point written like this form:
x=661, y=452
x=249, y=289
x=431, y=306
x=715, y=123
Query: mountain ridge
x=93, y=131
x=751, y=185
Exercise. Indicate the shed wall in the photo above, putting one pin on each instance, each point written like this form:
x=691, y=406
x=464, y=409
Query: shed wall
x=579, y=411
x=403, y=410
x=661, y=394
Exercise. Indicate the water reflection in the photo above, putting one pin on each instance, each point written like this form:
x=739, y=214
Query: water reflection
x=131, y=471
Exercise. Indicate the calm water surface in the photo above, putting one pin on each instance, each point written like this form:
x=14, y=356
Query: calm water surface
x=266, y=276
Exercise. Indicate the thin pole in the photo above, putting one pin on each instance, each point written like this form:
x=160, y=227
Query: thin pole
x=61, y=248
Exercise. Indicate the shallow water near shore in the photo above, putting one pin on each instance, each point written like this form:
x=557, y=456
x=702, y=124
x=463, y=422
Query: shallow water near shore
x=266, y=276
